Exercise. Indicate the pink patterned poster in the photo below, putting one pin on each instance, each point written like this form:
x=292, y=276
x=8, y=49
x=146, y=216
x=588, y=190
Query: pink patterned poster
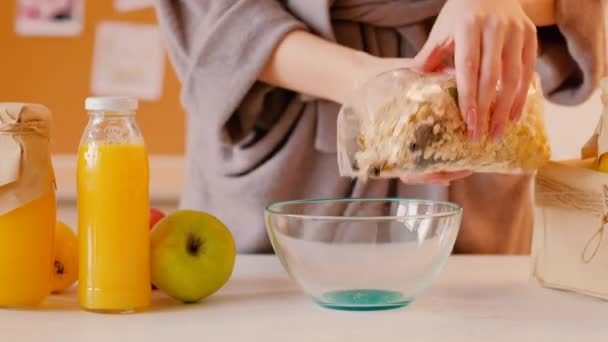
x=49, y=17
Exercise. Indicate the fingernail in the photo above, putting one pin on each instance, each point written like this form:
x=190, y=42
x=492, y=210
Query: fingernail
x=478, y=134
x=470, y=132
x=497, y=132
x=516, y=112
x=472, y=124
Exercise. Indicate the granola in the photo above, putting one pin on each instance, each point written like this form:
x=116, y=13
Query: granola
x=403, y=123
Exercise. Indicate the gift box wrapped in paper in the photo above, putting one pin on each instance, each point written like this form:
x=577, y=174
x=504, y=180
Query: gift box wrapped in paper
x=570, y=242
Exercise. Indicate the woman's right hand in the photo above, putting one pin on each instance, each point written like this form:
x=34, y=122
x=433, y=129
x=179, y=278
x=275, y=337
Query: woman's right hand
x=380, y=65
x=491, y=42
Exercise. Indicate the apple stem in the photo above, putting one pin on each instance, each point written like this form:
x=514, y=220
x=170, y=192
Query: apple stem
x=193, y=245
x=58, y=267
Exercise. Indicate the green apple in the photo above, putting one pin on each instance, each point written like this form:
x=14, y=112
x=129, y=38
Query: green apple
x=192, y=255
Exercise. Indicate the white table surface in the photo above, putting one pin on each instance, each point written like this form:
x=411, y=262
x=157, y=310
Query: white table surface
x=476, y=298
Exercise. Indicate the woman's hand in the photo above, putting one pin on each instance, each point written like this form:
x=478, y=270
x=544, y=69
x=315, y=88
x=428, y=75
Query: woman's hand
x=342, y=70
x=381, y=65
x=490, y=41
x=436, y=178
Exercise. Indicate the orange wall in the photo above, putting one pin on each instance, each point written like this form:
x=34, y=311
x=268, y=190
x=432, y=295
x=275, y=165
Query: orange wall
x=56, y=71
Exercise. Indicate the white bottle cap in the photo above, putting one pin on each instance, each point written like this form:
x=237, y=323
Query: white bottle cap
x=119, y=104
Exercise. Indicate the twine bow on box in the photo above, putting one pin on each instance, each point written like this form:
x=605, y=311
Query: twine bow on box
x=551, y=193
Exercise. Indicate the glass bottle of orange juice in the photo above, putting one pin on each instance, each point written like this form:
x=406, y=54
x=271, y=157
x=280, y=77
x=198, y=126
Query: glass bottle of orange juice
x=113, y=209
x=27, y=205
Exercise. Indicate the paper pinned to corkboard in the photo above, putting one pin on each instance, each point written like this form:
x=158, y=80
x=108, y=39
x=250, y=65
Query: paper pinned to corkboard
x=131, y=5
x=49, y=17
x=128, y=60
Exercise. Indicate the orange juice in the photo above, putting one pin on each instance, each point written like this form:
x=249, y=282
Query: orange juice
x=26, y=252
x=113, y=227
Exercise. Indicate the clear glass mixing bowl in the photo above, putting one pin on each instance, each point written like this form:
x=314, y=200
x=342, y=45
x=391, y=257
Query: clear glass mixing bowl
x=363, y=254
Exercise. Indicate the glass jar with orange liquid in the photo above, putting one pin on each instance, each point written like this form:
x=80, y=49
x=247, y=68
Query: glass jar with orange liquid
x=27, y=205
x=113, y=209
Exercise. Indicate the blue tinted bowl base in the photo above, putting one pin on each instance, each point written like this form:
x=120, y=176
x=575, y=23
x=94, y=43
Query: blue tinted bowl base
x=363, y=300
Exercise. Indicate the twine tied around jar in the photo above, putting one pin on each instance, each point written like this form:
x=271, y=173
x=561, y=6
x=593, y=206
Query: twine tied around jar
x=26, y=170
x=23, y=128
x=551, y=193
x=14, y=131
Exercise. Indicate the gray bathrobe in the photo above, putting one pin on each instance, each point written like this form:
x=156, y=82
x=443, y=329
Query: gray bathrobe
x=250, y=144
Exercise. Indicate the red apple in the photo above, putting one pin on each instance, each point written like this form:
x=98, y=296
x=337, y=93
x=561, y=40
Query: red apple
x=155, y=216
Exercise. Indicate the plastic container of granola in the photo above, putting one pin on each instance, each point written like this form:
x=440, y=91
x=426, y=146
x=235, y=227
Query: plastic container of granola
x=403, y=123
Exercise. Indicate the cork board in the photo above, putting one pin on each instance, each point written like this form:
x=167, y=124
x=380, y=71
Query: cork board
x=56, y=72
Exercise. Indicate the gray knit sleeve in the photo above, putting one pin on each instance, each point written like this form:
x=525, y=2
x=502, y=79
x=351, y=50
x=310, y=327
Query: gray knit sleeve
x=572, y=56
x=218, y=48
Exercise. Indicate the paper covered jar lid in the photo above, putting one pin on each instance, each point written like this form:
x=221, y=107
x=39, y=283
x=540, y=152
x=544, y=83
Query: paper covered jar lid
x=25, y=163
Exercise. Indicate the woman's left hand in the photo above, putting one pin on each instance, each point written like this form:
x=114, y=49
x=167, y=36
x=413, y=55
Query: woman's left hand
x=490, y=41
x=436, y=177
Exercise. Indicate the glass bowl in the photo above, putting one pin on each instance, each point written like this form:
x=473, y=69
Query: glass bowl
x=363, y=254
